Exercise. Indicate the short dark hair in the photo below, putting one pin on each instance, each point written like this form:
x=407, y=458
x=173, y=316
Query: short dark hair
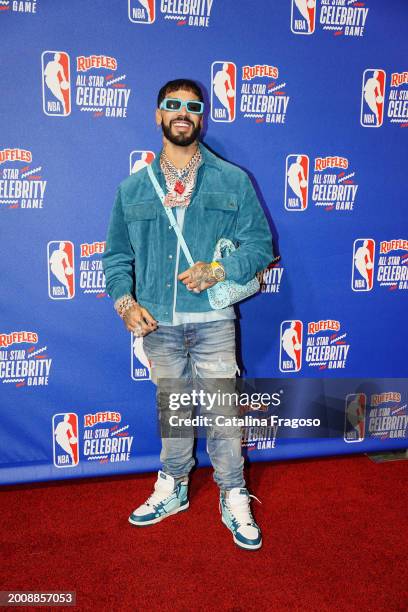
x=184, y=84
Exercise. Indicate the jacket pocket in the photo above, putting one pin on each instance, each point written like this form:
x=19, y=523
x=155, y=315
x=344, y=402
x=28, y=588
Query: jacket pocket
x=220, y=216
x=140, y=212
x=224, y=201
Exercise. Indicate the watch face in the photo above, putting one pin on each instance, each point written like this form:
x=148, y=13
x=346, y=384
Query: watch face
x=219, y=273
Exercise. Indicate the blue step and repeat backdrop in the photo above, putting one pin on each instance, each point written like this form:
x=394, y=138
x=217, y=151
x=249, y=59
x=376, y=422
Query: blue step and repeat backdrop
x=311, y=98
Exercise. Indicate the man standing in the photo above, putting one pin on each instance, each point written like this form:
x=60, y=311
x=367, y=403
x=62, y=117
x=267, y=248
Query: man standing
x=164, y=300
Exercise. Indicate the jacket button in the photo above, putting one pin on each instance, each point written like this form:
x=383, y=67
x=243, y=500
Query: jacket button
x=170, y=256
x=169, y=226
x=168, y=285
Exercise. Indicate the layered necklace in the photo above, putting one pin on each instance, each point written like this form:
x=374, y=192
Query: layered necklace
x=180, y=182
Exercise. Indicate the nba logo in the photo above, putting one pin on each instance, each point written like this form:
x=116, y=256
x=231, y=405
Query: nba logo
x=65, y=439
x=363, y=264
x=61, y=280
x=223, y=91
x=372, y=98
x=296, y=182
x=354, y=421
x=140, y=365
x=290, y=352
x=142, y=11
x=303, y=16
x=139, y=160
x=56, y=83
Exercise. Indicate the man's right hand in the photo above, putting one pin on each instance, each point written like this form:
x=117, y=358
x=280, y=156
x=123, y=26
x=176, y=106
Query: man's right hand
x=139, y=320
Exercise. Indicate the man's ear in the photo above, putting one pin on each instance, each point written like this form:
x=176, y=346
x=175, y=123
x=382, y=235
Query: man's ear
x=158, y=117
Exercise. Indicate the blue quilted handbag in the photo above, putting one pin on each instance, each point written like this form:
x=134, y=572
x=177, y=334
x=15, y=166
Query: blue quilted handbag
x=229, y=292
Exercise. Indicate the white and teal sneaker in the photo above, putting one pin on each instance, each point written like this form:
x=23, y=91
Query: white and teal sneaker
x=167, y=498
x=236, y=515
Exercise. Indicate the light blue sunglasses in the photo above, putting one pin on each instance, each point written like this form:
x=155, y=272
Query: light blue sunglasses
x=175, y=104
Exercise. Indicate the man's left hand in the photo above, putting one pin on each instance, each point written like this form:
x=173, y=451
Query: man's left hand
x=199, y=277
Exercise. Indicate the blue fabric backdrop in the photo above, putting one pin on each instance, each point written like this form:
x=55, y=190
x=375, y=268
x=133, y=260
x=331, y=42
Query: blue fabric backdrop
x=311, y=98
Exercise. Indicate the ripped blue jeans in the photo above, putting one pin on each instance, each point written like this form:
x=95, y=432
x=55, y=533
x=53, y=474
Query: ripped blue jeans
x=198, y=351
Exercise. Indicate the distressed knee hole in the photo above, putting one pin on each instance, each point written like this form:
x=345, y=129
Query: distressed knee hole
x=217, y=368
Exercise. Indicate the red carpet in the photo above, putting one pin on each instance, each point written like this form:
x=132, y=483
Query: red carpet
x=335, y=538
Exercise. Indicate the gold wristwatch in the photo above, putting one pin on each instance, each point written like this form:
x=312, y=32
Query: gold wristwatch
x=218, y=270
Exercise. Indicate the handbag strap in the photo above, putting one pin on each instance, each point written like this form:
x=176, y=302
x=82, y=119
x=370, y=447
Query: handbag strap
x=170, y=215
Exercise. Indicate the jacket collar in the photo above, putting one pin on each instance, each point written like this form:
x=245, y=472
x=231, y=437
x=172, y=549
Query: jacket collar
x=208, y=158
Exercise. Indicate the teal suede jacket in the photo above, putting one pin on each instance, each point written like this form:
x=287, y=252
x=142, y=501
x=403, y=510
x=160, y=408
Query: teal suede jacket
x=140, y=253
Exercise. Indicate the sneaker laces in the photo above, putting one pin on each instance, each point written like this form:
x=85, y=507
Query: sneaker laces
x=241, y=510
x=159, y=494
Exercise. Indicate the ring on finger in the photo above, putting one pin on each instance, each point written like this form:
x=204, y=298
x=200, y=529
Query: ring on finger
x=137, y=331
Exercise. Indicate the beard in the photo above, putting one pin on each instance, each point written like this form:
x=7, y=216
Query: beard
x=181, y=140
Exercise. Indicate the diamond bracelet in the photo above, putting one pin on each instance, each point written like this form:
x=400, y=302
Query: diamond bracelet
x=123, y=304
